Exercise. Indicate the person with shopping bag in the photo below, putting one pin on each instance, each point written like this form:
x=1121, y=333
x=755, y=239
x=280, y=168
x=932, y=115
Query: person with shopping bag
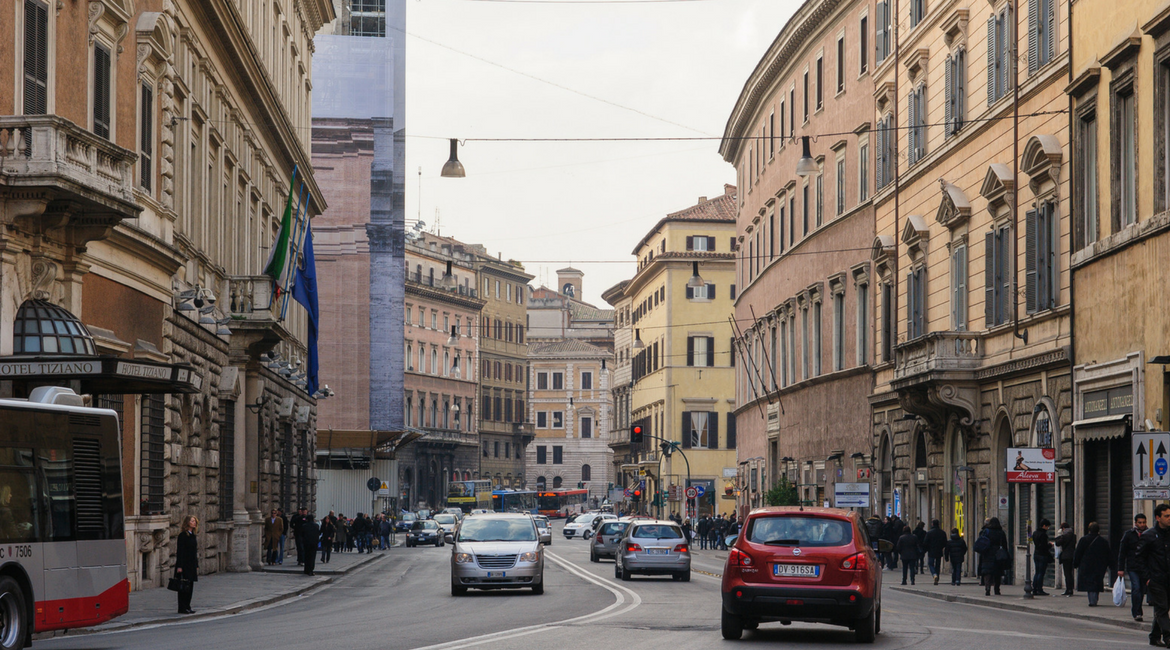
x=187, y=562
x=1154, y=555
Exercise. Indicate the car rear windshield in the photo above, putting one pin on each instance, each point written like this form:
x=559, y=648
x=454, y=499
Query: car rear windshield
x=657, y=531
x=408, y=517
x=800, y=531
x=497, y=530
x=425, y=525
x=445, y=519
x=613, y=528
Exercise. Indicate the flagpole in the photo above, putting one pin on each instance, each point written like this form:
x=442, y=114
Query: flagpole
x=297, y=241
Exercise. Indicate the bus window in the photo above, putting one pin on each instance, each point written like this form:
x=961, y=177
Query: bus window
x=19, y=516
x=57, y=469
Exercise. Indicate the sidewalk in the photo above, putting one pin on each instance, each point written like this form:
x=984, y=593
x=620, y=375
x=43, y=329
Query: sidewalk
x=231, y=593
x=1012, y=598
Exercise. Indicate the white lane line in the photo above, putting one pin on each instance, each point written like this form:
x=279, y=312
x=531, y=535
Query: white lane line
x=1025, y=635
x=615, y=609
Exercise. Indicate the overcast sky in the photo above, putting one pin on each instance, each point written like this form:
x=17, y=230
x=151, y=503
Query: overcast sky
x=674, y=69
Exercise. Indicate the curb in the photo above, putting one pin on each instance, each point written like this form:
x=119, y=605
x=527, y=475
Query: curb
x=234, y=608
x=323, y=571
x=1015, y=605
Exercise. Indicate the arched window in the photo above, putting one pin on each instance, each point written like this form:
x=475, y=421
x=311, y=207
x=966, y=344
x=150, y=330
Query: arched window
x=586, y=473
x=556, y=482
x=434, y=362
x=540, y=482
x=455, y=475
x=920, y=452
x=466, y=475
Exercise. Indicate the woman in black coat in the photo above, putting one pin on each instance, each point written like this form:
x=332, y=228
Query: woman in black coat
x=991, y=563
x=956, y=550
x=187, y=562
x=1091, y=560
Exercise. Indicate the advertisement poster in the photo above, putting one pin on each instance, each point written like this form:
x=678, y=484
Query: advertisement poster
x=1031, y=465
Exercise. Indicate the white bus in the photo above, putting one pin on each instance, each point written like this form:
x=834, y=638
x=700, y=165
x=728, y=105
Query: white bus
x=62, y=547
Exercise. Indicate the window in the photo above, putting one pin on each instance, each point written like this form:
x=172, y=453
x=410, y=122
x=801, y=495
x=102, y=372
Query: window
x=840, y=64
x=887, y=322
x=916, y=303
x=841, y=185
x=862, y=172
x=820, y=83
x=586, y=381
x=997, y=278
x=805, y=200
x=1125, y=160
x=792, y=110
x=805, y=344
x=959, y=287
x=820, y=197
x=36, y=58
x=697, y=243
x=805, y=97
x=771, y=135
x=792, y=219
x=700, y=429
x=435, y=318
x=862, y=324
x=839, y=331
x=101, y=90
x=782, y=131
x=558, y=381
x=887, y=139
x=917, y=131
x=863, y=48
x=586, y=473
x=955, y=77
x=496, y=452
x=770, y=366
x=558, y=419
x=705, y=292
x=771, y=232
x=409, y=316
x=586, y=427
x=783, y=359
x=1043, y=236
x=146, y=138
x=882, y=32
x=153, y=455
x=818, y=336
x=541, y=454
x=367, y=18
x=1087, y=198
x=917, y=11
x=999, y=41
x=700, y=351
x=558, y=458
x=541, y=419
x=497, y=289
x=1041, y=33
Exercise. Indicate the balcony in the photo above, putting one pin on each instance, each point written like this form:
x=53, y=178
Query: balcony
x=934, y=376
x=525, y=430
x=56, y=175
x=255, y=318
x=448, y=438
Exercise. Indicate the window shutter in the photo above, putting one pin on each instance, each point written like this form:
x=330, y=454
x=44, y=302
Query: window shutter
x=912, y=132
x=710, y=351
x=1004, y=272
x=711, y=291
x=731, y=431
x=1008, y=32
x=145, y=165
x=36, y=58
x=992, y=56
x=949, y=108
x=101, y=92
x=690, y=243
x=880, y=136
x=960, y=89
x=690, y=293
x=880, y=32
x=710, y=243
x=690, y=350
x=712, y=430
x=1053, y=269
x=962, y=297
x=921, y=273
x=1033, y=35
x=686, y=429
x=989, y=280
x=1050, y=9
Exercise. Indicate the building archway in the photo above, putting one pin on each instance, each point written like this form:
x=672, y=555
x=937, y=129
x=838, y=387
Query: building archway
x=885, y=467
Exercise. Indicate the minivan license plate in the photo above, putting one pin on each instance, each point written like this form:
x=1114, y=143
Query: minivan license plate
x=797, y=570
x=656, y=551
x=497, y=574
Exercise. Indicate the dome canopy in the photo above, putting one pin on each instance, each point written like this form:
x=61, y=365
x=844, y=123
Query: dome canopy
x=44, y=328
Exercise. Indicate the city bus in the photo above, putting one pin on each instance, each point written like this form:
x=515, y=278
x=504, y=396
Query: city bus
x=470, y=495
x=62, y=542
x=561, y=502
x=514, y=501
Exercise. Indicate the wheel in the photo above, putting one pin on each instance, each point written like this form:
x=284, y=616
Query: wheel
x=13, y=614
x=685, y=576
x=751, y=625
x=593, y=556
x=539, y=588
x=456, y=590
x=617, y=569
x=731, y=626
x=877, y=623
x=625, y=575
x=866, y=628
x=585, y=535
x=410, y=545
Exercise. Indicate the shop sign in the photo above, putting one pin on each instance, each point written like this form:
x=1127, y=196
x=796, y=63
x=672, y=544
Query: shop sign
x=1114, y=401
x=50, y=368
x=1031, y=465
x=851, y=495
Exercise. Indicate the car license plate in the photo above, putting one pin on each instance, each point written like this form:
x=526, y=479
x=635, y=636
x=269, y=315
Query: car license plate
x=656, y=551
x=497, y=574
x=797, y=570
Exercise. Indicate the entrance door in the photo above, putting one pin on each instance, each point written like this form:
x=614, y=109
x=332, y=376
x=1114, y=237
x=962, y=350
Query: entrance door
x=1046, y=509
x=923, y=506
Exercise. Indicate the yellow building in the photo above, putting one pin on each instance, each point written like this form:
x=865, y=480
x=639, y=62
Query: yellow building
x=683, y=382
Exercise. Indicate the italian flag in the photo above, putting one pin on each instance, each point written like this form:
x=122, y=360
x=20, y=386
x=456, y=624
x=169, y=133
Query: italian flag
x=278, y=256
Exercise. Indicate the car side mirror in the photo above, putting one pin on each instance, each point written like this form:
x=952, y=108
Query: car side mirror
x=449, y=538
x=885, y=546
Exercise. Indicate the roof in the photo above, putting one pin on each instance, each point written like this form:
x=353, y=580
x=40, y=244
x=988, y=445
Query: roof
x=717, y=210
x=585, y=311
x=568, y=347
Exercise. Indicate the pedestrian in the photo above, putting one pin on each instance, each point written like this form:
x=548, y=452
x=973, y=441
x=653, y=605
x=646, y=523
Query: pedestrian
x=1042, y=557
x=703, y=528
x=339, y=537
x=686, y=529
x=328, y=532
x=873, y=527
x=907, y=549
x=359, y=532
x=956, y=554
x=1128, y=565
x=936, y=546
x=1091, y=560
x=283, y=534
x=297, y=521
x=994, y=559
x=310, y=533
x=891, y=531
x=713, y=532
x=724, y=526
x=1065, y=545
x=920, y=534
x=187, y=562
x=384, y=532
x=273, y=529
x=1154, y=557
x=370, y=531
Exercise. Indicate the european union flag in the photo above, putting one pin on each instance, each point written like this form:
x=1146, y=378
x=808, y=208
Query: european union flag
x=305, y=292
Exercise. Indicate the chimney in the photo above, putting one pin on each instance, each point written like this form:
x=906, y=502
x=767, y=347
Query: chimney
x=702, y=199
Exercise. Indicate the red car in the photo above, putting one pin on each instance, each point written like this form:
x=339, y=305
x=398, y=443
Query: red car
x=810, y=565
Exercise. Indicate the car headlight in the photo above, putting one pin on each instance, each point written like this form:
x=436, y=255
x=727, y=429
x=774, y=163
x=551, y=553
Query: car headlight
x=530, y=557
x=464, y=558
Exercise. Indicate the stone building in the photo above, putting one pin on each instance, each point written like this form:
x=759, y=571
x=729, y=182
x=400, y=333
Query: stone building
x=621, y=383
x=802, y=251
x=147, y=150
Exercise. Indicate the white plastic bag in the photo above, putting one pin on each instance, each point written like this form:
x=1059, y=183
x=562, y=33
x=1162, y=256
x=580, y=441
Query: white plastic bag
x=1119, y=592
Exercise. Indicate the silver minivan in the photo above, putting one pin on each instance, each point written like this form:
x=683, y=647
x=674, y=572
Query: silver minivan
x=605, y=543
x=497, y=551
x=653, y=547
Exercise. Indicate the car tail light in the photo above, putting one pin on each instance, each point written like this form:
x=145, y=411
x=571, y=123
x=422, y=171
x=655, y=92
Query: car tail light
x=738, y=558
x=855, y=562
x=681, y=548
x=632, y=547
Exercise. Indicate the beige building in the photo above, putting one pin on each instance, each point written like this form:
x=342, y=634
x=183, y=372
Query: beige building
x=621, y=385
x=147, y=154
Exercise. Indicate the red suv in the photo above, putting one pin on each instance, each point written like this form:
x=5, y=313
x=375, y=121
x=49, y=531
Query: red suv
x=811, y=564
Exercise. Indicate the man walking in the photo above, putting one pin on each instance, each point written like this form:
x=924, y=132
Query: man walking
x=298, y=520
x=936, y=546
x=1153, y=556
x=307, y=541
x=1128, y=566
x=1042, y=557
x=703, y=528
x=1066, y=542
x=273, y=529
x=907, y=550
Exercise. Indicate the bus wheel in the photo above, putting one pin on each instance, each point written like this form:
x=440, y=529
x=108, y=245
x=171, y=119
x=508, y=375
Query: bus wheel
x=12, y=614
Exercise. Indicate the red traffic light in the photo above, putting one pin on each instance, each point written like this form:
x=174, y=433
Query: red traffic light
x=637, y=493
x=636, y=436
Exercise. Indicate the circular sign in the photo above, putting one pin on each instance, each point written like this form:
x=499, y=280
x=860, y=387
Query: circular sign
x=1160, y=467
x=692, y=493
x=373, y=484
x=699, y=490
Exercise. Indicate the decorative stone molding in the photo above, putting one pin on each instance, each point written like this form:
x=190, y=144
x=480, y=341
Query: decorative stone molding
x=998, y=187
x=915, y=235
x=954, y=209
x=881, y=254
x=883, y=94
x=860, y=273
x=1123, y=51
x=1041, y=161
x=954, y=28
x=915, y=62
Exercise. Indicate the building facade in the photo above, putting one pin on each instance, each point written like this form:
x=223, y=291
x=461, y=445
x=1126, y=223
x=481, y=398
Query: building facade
x=1120, y=229
x=802, y=251
x=140, y=196
x=621, y=378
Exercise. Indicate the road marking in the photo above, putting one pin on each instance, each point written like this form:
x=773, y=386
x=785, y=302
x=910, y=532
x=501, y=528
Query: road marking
x=1027, y=635
x=615, y=609
x=707, y=573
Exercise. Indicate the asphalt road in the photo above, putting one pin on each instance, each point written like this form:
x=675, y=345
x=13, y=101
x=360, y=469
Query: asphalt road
x=404, y=602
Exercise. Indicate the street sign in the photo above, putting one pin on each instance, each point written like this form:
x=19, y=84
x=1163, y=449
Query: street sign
x=629, y=492
x=692, y=492
x=383, y=489
x=642, y=472
x=898, y=502
x=1151, y=454
x=851, y=495
x=700, y=490
x=373, y=484
x=1031, y=465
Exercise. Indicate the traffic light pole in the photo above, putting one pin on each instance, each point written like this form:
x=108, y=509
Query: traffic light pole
x=673, y=447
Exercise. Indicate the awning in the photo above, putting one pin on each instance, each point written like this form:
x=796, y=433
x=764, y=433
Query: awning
x=1102, y=428
x=102, y=375
x=382, y=441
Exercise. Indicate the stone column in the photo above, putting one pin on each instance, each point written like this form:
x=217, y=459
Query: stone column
x=249, y=461
x=240, y=559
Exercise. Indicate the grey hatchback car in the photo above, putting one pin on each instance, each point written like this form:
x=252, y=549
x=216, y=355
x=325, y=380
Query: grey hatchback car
x=605, y=543
x=653, y=547
x=497, y=551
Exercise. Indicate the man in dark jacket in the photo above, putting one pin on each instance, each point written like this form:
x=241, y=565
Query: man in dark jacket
x=310, y=532
x=907, y=549
x=1128, y=566
x=1042, y=557
x=295, y=523
x=1153, y=554
x=1065, y=543
x=956, y=554
x=704, y=527
x=1091, y=560
x=873, y=527
x=936, y=545
x=892, y=530
x=994, y=558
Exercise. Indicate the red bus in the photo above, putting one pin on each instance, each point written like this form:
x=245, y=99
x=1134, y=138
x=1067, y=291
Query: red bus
x=561, y=501
x=62, y=542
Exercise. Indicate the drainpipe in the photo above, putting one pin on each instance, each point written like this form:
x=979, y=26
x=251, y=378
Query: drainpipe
x=1015, y=205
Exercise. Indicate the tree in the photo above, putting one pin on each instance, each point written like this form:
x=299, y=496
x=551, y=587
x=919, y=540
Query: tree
x=782, y=493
